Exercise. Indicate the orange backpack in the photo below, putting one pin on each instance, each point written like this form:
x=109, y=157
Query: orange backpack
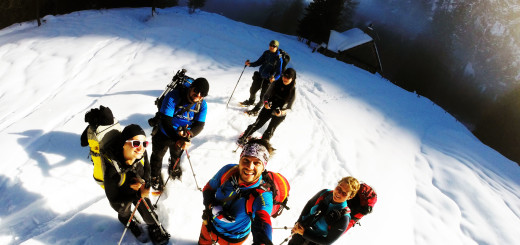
x=273, y=182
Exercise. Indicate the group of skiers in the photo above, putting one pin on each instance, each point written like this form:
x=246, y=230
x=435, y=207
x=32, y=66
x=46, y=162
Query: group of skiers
x=235, y=200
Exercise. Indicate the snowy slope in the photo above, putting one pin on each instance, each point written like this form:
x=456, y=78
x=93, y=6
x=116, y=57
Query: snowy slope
x=437, y=184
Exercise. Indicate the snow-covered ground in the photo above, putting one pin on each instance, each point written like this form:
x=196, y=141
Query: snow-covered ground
x=436, y=183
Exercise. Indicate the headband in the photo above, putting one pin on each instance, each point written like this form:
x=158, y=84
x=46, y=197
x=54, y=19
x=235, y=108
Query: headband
x=256, y=150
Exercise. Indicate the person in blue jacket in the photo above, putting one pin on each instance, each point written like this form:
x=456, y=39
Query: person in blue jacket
x=325, y=217
x=225, y=218
x=270, y=70
x=182, y=116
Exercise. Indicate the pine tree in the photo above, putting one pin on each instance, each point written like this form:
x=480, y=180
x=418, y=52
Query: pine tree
x=195, y=4
x=321, y=16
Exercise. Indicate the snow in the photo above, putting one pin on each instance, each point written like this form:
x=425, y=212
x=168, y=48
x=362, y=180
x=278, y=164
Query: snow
x=436, y=182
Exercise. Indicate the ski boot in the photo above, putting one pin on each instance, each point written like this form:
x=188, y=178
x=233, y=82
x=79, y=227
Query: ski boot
x=242, y=140
x=174, y=169
x=158, y=235
x=247, y=103
x=157, y=183
x=252, y=112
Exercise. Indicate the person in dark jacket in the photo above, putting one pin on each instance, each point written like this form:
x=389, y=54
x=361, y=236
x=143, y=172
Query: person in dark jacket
x=326, y=216
x=182, y=117
x=225, y=219
x=270, y=70
x=278, y=101
x=127, y=177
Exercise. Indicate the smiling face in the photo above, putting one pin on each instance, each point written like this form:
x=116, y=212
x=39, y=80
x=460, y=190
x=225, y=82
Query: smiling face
x=250, y=169
x=132, y=153
x=194, y=95
x=273, y=48
x=341, y=193
x=287, y=80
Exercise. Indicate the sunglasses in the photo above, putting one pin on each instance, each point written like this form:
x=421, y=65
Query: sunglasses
x=137, y=143
x=274, y=46
x=197, y=91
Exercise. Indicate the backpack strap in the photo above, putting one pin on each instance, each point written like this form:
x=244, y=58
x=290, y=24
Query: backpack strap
x=250, y=194
x=122, y=173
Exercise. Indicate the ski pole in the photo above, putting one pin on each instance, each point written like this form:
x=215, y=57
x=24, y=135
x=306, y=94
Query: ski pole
x=286, y=239
x=284, y=228
x=154, y=218
x=169, y=177
x=236, y=85
x=189, y=160
x=130, y=220
x=159, y=197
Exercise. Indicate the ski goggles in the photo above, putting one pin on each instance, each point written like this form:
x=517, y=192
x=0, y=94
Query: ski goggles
x=137, y=143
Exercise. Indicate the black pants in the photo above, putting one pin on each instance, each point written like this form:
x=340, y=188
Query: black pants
x=160, y=144
x=298, y=239
x=261, y=84
x=124, y=211
x=264, y=116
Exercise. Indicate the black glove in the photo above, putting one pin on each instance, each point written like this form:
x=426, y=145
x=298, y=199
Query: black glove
x=333, y=216
x=206, y=214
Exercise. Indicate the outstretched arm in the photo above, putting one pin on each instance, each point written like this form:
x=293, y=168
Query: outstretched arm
x=261, y=226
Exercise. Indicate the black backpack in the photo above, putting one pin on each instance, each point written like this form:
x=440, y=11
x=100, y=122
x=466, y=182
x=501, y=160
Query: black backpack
x=285, y=57
x=179, y=80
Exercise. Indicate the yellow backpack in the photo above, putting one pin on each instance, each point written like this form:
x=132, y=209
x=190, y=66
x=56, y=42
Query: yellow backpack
x=97, y=139
x=103, y=128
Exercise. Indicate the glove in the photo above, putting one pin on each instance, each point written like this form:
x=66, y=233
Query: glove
x=333, y=216
x=206, y=214
x=219, y=213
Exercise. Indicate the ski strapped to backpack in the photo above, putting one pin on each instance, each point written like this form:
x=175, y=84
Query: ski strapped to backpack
x=362, y=204
x=273, y=182
x=102, y=130
x=179, y=80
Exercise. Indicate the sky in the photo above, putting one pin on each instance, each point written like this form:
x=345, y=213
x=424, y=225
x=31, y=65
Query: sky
x=436, y=182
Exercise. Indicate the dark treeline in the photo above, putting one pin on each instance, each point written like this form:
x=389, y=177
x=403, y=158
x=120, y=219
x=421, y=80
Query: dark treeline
x=464, y=68
x=16, y=11
x=432, y=62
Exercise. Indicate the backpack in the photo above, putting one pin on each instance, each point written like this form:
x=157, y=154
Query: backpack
x=322, y=207
x=102, y=130
x=361, y=204
x=285, y=57
x=179, y=81
x=273, y=182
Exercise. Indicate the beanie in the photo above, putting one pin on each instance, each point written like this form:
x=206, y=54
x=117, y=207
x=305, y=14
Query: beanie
x=130, y=131
x=290, y=72
x=201, y=85
x=274, y=43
